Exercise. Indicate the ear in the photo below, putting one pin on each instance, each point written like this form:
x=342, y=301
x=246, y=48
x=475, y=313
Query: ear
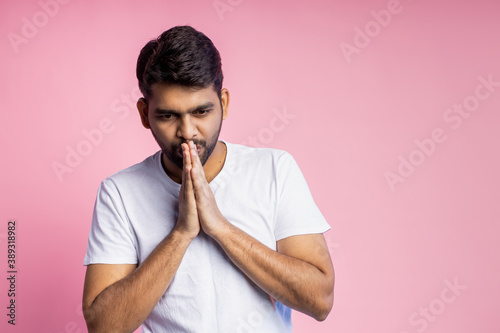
x=142, y=107
x=224, y=99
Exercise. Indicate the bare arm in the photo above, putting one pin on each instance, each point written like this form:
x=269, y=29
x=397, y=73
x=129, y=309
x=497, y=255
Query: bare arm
x=300, y=274
x=118, y=298
x=124, y=304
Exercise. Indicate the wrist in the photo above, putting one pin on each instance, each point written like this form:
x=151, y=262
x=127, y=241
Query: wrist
x=183, y=233
x=220, y=229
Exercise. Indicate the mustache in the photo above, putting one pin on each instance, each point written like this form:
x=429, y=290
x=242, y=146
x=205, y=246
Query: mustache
x=197, y=143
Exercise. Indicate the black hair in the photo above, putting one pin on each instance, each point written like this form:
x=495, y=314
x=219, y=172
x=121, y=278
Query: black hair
x=181, y=56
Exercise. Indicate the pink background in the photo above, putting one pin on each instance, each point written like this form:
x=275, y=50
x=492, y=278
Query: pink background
x=357, y=115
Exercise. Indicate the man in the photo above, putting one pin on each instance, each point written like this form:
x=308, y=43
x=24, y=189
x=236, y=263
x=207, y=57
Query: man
x=204, y=235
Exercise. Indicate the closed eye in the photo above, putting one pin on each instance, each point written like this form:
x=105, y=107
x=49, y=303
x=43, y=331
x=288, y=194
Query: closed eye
x=165, y=116
x=202, y=112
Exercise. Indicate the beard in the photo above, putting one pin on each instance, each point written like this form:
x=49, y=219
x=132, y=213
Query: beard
x=172, y=151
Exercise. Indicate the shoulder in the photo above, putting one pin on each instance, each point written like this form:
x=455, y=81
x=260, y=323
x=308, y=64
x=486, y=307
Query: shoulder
x=252, y=155
x=258, y=165
x=138, y=172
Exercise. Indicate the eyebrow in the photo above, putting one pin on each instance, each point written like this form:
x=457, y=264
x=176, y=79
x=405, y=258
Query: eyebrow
x=205, y=106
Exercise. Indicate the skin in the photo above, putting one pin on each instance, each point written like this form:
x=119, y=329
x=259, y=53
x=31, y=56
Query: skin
x=118, y=298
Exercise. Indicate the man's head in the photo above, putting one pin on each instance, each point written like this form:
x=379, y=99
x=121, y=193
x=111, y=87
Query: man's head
x=180, y=77
x=181, y=56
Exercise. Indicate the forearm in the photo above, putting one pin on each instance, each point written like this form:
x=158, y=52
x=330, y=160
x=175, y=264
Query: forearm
x=124, y=305
x=295, y=283
x=292, y=279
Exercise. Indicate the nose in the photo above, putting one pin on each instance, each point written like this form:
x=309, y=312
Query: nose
x=186, y=128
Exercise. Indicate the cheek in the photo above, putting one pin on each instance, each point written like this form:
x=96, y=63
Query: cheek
x=207, y=132
x=163, y=130
x=213, y=125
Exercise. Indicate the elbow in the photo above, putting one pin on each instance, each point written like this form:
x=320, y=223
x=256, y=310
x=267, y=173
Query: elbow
x=91, y=328
x=94, y=327
x=324, y=308
x=89, y=317
x=322, y=316
x=98, y=322
x=325, y=305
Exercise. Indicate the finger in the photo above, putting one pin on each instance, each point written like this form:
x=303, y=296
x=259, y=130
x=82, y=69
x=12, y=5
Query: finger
x=185, y=170
x=196, y=174
x=186, y=156
x=195, y=160
x=200, y=186
x=187, y=185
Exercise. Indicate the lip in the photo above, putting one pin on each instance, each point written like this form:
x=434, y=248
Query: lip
x=198, y=150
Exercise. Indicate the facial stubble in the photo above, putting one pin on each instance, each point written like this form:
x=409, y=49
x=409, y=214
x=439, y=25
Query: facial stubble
x=171, y=151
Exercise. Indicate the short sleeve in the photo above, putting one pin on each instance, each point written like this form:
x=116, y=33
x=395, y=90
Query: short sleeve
x=111, y=240
x=297, y=213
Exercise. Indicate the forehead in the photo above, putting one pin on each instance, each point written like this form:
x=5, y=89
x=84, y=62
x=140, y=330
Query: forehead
x=181, y=98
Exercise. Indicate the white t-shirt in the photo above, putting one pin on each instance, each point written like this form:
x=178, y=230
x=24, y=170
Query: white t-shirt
x=259, y=190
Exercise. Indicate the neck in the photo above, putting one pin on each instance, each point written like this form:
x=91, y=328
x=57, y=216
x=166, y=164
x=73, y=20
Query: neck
x=215, y=162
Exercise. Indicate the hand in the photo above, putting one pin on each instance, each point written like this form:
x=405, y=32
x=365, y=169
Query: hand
x=188, y=222
x=210, y=217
